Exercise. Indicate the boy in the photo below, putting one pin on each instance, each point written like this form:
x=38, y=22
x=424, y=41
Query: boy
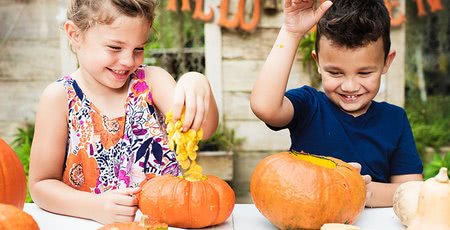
x=352, y=52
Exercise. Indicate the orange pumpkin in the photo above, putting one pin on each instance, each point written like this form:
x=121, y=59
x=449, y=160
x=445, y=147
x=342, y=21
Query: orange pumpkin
x=13, y=185
x=187, y=204
x=12, y=218
x=144, y=224
x=303, y=191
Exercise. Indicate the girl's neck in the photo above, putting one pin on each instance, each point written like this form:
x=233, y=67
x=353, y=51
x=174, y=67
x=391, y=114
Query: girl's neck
x=108, y=100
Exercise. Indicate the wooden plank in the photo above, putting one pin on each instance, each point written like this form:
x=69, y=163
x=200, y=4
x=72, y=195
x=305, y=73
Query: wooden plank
x=218, y=163
x=258, y=137
x=240, y=75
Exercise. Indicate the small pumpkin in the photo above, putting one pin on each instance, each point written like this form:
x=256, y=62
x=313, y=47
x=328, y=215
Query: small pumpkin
x=12, y=218
x=303, y=191
x=143, y=224
x=433, y=207
x=405, y=201
x=13, y=185
x=187, y=204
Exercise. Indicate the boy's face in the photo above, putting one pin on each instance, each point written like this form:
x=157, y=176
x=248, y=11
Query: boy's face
x=351, y=77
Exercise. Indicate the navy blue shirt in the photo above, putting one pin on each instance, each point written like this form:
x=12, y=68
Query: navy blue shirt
x=380, y=140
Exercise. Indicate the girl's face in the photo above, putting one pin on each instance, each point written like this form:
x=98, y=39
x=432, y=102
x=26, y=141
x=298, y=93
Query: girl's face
x=108, y=54
x=351, y=77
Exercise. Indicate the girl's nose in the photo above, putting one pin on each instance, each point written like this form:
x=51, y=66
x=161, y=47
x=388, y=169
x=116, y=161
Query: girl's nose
x=127, y=59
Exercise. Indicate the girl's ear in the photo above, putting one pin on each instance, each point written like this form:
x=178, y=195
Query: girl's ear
x=73, y=34
x=389, y=59
x=316, y=59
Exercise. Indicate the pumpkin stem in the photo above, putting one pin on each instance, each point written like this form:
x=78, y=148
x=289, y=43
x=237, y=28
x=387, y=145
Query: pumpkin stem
x=442, y=176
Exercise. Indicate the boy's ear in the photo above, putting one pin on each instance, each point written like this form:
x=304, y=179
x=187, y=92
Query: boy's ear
x=389, y=59
x=72, y=33
x=316, y=59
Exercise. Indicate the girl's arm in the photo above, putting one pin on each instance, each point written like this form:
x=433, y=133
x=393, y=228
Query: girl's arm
x=47, y=165
x=192, y=91
x=381, y=194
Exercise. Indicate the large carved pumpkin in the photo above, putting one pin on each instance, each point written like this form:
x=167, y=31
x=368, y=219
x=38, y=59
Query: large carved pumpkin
x=12, y=218
x=13, y=185
x=187, y=204
x=303, y=191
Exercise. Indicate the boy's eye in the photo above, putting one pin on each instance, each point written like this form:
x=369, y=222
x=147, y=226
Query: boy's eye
x=334, y=73
x=139, y=49
x=365, y=73
x=114, y=47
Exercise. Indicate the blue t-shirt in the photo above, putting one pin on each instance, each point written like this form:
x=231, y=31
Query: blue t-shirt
x=380, y=140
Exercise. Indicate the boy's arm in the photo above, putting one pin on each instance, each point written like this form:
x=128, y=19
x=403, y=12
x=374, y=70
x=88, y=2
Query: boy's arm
x=267, y=99
x=381, y=194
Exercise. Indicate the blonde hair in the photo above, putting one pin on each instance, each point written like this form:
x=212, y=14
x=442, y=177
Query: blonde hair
x=86, y=13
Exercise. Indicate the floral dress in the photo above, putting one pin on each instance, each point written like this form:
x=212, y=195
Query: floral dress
x=104, y=153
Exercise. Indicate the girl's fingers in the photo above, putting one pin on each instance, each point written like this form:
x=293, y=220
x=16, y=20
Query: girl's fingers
x=125, y=210
x=199, y=115
x=178, y=103
x=191, y=104
x=123, y=218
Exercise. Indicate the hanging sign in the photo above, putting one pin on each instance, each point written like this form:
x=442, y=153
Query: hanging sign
x=237, y=20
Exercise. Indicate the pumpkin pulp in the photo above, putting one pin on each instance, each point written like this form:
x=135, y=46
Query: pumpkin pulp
x=314, y=159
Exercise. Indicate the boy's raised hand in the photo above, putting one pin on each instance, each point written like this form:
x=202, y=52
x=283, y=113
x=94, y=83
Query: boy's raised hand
x=192, y=92
x=117, y=205
x=300, y=16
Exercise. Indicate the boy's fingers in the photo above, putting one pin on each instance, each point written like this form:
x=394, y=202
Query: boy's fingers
x=322, y=9
x=355, y=165
x=367, y=178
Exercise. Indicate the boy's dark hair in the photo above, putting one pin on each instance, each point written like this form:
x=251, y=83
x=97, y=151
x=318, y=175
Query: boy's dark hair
x=355, y=23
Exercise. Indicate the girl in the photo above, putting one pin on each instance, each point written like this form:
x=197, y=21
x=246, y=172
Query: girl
x=100, y=129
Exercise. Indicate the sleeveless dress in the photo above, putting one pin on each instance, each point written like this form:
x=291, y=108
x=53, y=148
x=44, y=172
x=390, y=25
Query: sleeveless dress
x=103, y=153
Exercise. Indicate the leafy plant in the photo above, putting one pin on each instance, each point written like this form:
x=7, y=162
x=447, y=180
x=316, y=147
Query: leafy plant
x=22, y=146
x=429, y=122
x=222, y=139
x=431, y=169
x=306, y=46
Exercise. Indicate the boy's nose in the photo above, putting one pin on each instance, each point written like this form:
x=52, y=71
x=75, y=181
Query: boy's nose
x=350, y=84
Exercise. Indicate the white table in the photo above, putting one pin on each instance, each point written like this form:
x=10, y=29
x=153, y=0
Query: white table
x=244, y=217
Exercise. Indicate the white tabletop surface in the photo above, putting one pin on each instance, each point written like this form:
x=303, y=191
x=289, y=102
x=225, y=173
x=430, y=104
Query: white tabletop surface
x=244, y=217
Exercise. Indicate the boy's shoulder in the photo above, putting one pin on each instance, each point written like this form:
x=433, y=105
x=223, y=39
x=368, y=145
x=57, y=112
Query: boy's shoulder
x=388, y=108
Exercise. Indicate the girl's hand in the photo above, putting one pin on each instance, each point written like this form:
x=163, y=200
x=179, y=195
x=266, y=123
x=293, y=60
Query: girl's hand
x=192, y=92
x=300, y=16
x=116, y=206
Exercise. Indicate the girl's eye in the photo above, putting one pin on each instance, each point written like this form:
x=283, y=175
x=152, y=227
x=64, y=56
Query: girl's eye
x=139, y=50
x=365, y=74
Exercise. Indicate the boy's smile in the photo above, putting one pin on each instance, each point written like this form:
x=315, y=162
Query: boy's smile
x=351, y=76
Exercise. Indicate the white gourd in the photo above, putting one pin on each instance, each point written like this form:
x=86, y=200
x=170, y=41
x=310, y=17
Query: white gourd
x=433, y=210
x=405, y=201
